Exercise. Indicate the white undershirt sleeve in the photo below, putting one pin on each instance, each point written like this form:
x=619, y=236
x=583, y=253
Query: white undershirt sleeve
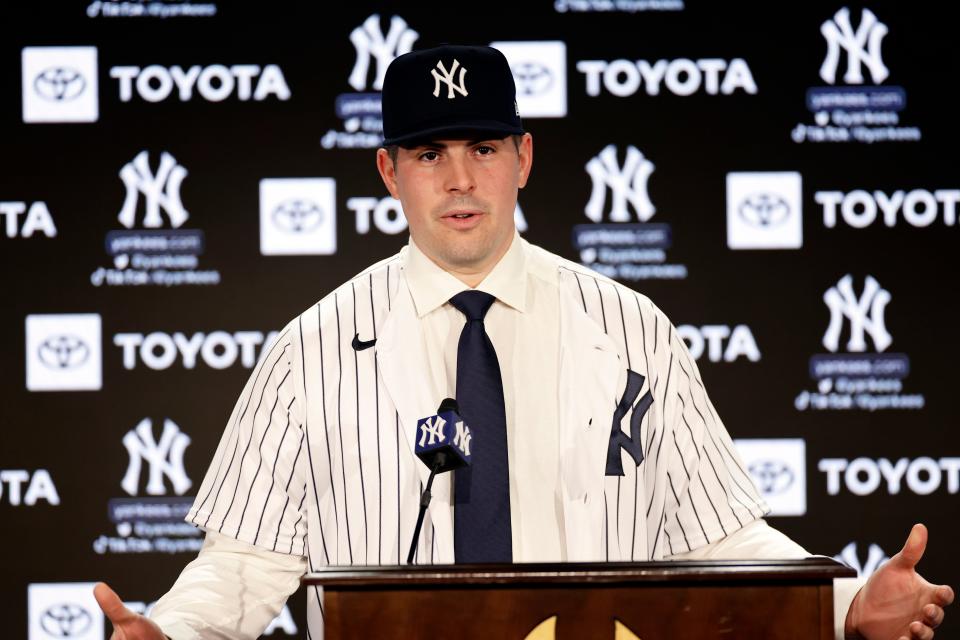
x=231, y=590
x=760, y=541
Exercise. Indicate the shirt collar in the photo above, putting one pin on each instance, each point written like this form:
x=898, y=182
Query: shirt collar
x=431, y=286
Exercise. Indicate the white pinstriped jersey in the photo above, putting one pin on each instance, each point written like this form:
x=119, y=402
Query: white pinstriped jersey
x=321, y=439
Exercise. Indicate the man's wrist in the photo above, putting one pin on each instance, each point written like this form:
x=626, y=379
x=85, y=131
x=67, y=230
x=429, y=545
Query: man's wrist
x=850, y=631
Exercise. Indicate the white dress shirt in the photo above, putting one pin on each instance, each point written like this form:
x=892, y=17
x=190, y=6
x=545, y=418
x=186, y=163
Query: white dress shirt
x=521, y=325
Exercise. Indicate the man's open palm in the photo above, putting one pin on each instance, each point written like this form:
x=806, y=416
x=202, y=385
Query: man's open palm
x=897, y=603
x=127, y=625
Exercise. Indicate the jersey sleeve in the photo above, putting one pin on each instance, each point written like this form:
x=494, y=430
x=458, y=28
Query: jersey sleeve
x=254, y=489
x=710, y=494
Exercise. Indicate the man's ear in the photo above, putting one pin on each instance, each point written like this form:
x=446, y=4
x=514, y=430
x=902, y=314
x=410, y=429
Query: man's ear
x=525, y=152
x=388, y=172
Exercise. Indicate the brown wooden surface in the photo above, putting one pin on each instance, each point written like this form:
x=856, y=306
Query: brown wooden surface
x=656, y=601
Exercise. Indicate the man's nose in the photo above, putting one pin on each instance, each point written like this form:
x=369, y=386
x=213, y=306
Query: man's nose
x=459, y=177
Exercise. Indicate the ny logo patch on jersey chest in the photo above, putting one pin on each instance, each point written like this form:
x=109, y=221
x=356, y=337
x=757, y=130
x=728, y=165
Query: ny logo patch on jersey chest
x=620, y=440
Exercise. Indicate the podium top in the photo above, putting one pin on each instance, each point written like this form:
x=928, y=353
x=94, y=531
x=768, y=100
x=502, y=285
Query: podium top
x=820, y=569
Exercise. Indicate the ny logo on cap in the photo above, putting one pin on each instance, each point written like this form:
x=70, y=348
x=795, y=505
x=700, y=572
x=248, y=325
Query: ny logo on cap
x=447, y=77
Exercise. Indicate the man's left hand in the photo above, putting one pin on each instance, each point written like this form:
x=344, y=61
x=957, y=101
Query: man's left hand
x=897, y=603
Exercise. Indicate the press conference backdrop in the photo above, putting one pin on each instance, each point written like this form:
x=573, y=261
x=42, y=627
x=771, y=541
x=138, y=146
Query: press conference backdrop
x=180, y=178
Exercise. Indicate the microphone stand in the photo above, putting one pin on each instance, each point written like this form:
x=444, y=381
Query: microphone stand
x=438, y=463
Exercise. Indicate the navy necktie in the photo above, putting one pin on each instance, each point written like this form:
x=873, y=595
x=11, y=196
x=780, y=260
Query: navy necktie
x=482, y=491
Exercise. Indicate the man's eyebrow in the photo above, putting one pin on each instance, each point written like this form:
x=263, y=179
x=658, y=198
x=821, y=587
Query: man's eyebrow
x=427, y=145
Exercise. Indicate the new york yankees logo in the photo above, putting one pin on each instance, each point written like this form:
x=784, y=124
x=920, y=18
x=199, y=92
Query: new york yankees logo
x=619, y=439
x=432, y=427
x=463, y=437
x=447, y=78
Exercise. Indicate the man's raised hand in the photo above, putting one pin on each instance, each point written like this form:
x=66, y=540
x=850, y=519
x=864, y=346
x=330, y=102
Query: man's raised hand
x=127, y=625
x=897, y=603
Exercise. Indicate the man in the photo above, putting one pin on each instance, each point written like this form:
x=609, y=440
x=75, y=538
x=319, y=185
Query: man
x=594, y=438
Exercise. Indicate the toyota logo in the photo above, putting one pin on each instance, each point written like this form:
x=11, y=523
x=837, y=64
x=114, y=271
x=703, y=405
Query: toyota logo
x=772, y=476
x=66, y=620
x=63, y=352
x=59, y=84
x=532, y=78
x=297, y=215
x=764, y=209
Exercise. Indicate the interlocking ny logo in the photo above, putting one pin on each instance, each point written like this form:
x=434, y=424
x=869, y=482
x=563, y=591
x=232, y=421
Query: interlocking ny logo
x=165, y=458
x=447, y=78
x=63, y=352
x=865, y=315
x=297, y=215
x=764, y=210
x=850, y=557
x=59, y=84
x=369, y=41
x=862, y=47
x=628, y=184
x=432, y=427
x=620, y=440
x=160, y=190
x=65, y=620
x=463, y=437
x=772, y=476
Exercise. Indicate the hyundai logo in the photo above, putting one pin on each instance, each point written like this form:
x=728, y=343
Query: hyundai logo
x=59, y=84
x=63, y=352
x=764, y=209
x=532, y=78
x=66, y=620
x=297, y=215
x=772, y=476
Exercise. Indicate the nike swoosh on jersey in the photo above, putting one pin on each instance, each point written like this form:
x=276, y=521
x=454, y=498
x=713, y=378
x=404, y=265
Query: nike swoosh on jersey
x=360, y=345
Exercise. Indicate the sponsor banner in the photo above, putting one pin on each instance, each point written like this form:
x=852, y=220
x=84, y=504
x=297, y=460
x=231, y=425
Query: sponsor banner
x=217, y=349
x=851, y=557
x=36, y=221
x=213, y=83
x=59, y=84
x=865, y=476
x=21, y=487
x=360, y=110
x=155, y=523
x=64, y=610
x=858, y=379
x=63, y=352
x=151, y=9
x=540, y=73
x=779, y=470
x=298, y=216
x=720, y=343
x=616, y=6
x=848, y=109
x=150, y=255
x=916, y=208
x=620, y=248
x=681, y=77
x=764, y=210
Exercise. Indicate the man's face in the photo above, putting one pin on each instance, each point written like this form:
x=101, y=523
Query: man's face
x=459, y=197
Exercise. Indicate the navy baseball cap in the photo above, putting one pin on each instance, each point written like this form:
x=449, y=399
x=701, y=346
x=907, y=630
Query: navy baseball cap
x=449, y=90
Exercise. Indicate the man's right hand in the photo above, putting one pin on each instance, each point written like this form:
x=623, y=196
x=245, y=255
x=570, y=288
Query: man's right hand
x=127, y=625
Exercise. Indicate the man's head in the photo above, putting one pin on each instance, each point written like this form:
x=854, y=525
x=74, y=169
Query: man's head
x=455, y=153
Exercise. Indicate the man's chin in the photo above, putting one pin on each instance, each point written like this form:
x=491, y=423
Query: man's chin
x=468, y=257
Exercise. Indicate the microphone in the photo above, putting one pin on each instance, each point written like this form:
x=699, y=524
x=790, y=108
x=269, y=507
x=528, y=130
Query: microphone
x=443, y=444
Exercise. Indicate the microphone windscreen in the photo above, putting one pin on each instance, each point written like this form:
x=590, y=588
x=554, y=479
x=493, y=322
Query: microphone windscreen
x=444, y=433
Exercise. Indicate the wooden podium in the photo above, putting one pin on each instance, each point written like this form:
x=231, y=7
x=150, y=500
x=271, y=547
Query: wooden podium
x=728, y=599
